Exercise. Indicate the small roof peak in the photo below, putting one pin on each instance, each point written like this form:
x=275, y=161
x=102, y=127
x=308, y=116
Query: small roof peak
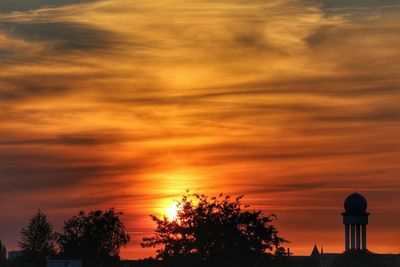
x=315, y=251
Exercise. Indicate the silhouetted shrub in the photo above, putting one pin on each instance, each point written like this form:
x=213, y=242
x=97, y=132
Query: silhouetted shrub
x=215, y=231
x=3, y=255
x=37, y=242
x=95, y=238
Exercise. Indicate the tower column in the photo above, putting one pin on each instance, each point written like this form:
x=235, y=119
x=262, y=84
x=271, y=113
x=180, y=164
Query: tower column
x=346, y=237
x=353, y=236
x=364, y=236
x=358, y=240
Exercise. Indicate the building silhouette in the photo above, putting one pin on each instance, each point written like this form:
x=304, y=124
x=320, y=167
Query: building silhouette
x=355, y=220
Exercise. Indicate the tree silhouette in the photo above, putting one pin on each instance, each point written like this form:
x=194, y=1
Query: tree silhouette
x=95, y=238
x=3, y=255
x=37, y=240
x=214, y=231
x=358, y=258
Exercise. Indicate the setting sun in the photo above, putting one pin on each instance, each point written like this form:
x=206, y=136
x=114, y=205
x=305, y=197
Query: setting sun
x=172, y=211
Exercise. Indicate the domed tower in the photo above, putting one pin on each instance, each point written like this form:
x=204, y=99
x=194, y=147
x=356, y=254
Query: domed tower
x=355, y=220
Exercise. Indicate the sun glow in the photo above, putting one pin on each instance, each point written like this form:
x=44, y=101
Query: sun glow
x=171, y=212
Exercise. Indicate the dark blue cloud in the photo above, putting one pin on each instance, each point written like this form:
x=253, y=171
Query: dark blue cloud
x=60, y=35
x=26, y=5
x=358, y=3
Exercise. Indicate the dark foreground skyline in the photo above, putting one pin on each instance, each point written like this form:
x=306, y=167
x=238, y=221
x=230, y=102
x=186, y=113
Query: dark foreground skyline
x=355, y=220
x=115, y=103
x=204, y=231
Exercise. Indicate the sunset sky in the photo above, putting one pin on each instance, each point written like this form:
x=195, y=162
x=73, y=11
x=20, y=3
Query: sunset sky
x=128, y=103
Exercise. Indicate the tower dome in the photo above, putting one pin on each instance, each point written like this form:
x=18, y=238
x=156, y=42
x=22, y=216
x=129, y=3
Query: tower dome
x=355, y=203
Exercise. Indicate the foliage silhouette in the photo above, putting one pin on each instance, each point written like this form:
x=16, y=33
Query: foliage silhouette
x=95, y=238
x=214, y=231
x=37, y=241
x=3, y=255
x=358, y=258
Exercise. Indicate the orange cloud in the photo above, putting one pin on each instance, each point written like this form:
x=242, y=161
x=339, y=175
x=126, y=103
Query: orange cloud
x=128, y=104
